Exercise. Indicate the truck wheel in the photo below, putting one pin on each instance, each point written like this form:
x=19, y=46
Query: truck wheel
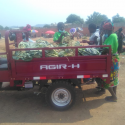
x=60, y=95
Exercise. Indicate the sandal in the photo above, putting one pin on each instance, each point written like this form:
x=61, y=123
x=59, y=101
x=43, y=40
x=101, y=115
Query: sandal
x=108, y=98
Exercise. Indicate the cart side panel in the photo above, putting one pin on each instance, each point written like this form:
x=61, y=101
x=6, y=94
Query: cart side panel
x=4, y=76
x=71, y=67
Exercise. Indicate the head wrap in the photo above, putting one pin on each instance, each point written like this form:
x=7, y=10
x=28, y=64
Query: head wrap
x=27, y=28
x=108, y=26
x=109, y=21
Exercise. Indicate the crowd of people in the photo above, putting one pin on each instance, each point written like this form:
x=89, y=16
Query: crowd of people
x=102, y=35
x=99, y=35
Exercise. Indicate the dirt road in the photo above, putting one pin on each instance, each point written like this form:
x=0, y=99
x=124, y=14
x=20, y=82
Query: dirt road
x=27, y=108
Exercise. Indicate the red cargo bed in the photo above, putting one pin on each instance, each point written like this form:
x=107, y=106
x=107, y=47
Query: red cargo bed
x=75, y=67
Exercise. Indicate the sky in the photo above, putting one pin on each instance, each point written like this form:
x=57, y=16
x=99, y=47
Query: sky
x=22, y=12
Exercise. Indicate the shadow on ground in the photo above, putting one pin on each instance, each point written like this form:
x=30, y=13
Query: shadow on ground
x=25, y=106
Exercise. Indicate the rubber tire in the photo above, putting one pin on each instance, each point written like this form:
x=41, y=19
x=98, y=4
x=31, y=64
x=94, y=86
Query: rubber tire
x=60, y=84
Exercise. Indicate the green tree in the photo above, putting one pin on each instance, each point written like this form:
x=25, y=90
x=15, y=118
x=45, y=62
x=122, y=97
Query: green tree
x=1, y=27
x=46, y=26
x=73, y=18
x=118, y=19
x=96, y=18
x=6, y=28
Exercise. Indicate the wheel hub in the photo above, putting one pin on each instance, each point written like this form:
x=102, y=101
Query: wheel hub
x=61, y=97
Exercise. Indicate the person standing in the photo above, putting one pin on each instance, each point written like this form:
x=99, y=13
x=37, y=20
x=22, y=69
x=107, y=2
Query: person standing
x=111, y=39
x=27, y=32
x=94, y=34
x=100, y=40
x=58, y=36
x=120, y=40
x=101, y=37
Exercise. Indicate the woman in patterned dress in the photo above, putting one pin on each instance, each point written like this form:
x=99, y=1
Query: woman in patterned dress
x=111, y=39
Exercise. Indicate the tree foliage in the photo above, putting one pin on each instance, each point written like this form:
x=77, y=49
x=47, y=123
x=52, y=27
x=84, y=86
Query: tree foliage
x=118, y=19
x=46, y=26
x=96, y=18
x=6, y=28
x=1, y=27
x=73, y=18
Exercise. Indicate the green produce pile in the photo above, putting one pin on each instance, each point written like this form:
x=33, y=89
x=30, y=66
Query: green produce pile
x=28, y=55
x=88, y=51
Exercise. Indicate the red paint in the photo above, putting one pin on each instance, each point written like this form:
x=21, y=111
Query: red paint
x=21, y=70
x=86, y=76
x=42, y=77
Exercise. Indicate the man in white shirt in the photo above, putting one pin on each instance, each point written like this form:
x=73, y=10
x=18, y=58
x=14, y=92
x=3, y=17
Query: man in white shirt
x=94, y=34
x=101, y=41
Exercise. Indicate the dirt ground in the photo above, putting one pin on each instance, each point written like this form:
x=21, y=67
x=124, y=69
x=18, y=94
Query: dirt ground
x=28, y=108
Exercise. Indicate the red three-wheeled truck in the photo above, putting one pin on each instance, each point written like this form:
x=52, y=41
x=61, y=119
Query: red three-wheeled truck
x=64, y=72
